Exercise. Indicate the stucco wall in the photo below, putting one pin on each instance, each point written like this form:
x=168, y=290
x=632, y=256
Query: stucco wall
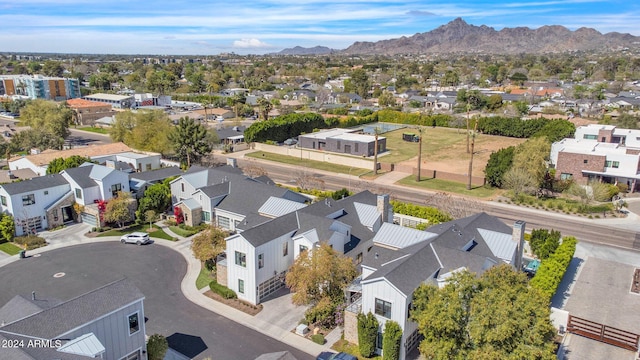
x=351, y=327
x=357, y=162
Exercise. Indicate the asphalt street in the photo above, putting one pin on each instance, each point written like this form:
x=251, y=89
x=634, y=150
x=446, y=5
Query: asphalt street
x=158, y=272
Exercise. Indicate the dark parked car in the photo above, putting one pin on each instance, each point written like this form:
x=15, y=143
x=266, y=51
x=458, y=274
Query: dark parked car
x=338, y=356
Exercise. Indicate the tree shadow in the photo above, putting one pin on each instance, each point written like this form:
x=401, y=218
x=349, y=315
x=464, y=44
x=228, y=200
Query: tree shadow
x=188, y=345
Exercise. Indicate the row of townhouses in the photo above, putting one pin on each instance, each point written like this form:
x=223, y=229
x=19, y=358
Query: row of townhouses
x=271, y=226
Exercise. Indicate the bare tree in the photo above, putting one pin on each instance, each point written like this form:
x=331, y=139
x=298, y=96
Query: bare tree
x=457, y=207
x=308, y=181
x=254, y=171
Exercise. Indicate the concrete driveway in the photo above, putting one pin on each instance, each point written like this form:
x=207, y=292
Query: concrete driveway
x=158, y=272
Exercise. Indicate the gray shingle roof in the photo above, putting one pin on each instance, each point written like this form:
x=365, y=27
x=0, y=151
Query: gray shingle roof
x=81, y=176
x=408, y=267
x=20, y=307
x=272, y=229
x=37, y=183
x=58, y=320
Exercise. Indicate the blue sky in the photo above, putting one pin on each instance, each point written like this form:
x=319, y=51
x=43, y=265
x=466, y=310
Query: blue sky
x=257, y=27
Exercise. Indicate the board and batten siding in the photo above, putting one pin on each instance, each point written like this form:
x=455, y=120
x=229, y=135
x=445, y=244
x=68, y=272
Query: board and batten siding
x=274, y=261
x=236, y=272
x=113, y=332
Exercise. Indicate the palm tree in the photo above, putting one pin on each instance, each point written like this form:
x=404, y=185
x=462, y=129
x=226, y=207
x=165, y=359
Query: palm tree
x=265, y=107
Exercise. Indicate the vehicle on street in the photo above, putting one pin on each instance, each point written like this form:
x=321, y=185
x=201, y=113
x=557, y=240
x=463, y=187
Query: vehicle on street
x=137, y=238
x=339, y=356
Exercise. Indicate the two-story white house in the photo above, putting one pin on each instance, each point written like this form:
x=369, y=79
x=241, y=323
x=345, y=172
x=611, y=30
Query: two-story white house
x=91, y=183
x=227, y=198
x=257, y=258
x=402, y=259
x=107, y=323
x=38, y=203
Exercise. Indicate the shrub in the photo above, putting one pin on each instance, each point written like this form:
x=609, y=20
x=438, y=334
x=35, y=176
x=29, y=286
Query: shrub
x=222, y=290
x=391, y=341
x=551, y=271
x=367, y=333
x=322, y=314
x=30, y=242
x=433, y=215
x=157, y=347
x=318, y=339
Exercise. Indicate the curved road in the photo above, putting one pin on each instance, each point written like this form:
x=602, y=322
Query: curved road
x=158, y=272
x=584, y=229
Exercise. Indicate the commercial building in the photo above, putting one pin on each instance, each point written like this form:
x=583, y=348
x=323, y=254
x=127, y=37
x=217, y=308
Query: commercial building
x=39, y=87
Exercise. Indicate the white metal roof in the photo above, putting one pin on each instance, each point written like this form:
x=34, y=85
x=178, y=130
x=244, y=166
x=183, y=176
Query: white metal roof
x=367, y=214
x=109, y=97
x=500, y=244
x=85, y=345
x=399, y=237
x=275, y=206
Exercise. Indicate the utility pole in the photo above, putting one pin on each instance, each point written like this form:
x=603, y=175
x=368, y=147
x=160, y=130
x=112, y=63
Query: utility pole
x=419, y=152
x=468, y=108
x=473, y=142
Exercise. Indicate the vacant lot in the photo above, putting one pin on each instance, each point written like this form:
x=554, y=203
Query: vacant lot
x=445, y=149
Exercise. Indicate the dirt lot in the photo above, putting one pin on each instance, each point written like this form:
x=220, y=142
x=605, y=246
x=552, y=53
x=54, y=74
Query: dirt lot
x=445, y=149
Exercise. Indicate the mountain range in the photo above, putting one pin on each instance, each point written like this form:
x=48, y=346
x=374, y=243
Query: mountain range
x=460, y=37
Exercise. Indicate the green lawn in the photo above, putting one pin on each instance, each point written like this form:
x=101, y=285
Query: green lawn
x=319, y=165
x=449, y=186
x=182, y=232
x=204, y=278
x=95, y=130
x=9, y=248
x=347, y=347
x=159, y=233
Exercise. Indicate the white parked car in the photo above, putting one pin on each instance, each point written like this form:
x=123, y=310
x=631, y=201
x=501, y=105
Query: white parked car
x=137, y=238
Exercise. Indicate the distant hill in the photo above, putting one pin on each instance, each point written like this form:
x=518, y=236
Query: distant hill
x=459, y=37
x=299, y=50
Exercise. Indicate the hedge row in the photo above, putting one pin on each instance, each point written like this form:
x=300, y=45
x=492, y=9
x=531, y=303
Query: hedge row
x=288, y=126
x=433, y=215
x=392, y=116
x=551, y=271
x=222, y=290
x=553, y=129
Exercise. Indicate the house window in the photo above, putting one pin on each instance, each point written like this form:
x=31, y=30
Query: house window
x=223, y=222
x=409, y=309
x=28, y=199
x=46, y=192
x=339, y=144
x=379, y=338
x=148, y=167
x=260, y=261
x=285, y=249
x=355, y=148
x=612, y=164
x=115, y=189
x=55, y=214
x=241, y=286
x=78, y=194
x=182, y=186
x=566, y=176
x=241, y=259
x=359, y=259
x=134, y=324
x=590, y=137
x=3, y=200
x=303, y=248
x=586, y=161
x=383, y=308
x=206, y=216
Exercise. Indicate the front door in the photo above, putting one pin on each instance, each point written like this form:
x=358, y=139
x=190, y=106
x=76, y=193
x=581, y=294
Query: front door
x=67, y=214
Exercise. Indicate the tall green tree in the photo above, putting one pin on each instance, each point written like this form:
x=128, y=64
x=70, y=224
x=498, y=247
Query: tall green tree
x=190, y=141
x=499, y=163
x=48, y=116
x=208, y=244
x=156, y=197
x=265, y=107
x=391, y=341
x=495, y=316
x=58, y=164
x=7, y=227
x=367, y=333
x=52, y=68
x=532, y=157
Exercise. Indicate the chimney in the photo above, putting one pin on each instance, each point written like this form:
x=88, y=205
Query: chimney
x=232, y=162
x=518, y=238
x=384, y=208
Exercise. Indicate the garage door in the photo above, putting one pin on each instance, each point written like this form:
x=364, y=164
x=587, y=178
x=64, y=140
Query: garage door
x=31, y=224
x=89, y=219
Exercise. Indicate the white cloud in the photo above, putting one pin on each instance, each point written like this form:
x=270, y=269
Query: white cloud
x=250, y=43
